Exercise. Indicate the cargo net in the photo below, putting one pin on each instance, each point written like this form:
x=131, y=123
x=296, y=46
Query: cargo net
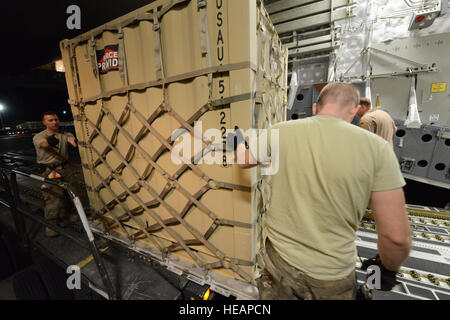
x=115, y=170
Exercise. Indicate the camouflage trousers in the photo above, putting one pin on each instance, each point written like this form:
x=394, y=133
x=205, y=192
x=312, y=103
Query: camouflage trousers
x=57, y=202
x=281, y=281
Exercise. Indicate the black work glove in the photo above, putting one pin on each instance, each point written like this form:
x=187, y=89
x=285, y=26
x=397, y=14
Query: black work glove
x=388, y=278
x=234, y=139
x=53, y=141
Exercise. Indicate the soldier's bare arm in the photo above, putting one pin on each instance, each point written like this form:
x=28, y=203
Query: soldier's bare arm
x=44, y=144
x=72, y=141
x=394, y=239
x=248, y=160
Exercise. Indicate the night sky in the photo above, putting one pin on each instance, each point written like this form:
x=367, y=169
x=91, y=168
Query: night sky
x=27, y=104
x=30, y=34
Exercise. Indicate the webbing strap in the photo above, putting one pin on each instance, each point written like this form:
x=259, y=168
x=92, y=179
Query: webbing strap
x=180, y=241
x=157, y=46
x=111, y=213
x=142, y=134
x=212, y=69
x=141, y=17
x=177, y=246
x=155, y=133
x=123, y=118
x=71, y=69
x=182, y=77
x=152, y=213
x=139, y=201
x=242, y=262
x=111, y=223
x=233, y=99
x=120, y=198
x=231, y=186
x=212, y=105
x=107, y=222
x=154, y=203
x=83, y=144
x=88, y=154
x=99, y=121
x=225, y=222
x=192, y=230
x=169, y=6
x=168, y=177
x=204, y=41
x=171, y=180
x=189, y=205
x=188, y=124
x=125, y=208
x=136, y=188
x=165, y=146
x=233, y=266
x=93, y=56
x=122, y=59
x=124, y=217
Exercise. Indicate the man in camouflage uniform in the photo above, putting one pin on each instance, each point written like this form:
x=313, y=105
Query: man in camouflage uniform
x=52, y=154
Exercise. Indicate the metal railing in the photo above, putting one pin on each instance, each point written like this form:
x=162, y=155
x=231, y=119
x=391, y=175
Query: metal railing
x=13, y=201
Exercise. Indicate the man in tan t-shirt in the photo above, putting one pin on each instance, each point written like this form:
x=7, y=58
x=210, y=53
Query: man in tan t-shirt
x=376, y=121
x=318, y=197
x=52, y=154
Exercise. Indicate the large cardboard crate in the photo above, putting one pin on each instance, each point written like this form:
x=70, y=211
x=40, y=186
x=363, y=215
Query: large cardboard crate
x=146, y=79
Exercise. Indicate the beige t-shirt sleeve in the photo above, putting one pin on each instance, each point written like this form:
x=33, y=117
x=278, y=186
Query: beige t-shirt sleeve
x=261, y=147
x=387, y=173
x=368, y=123
x=68, y=135
x=37, y=139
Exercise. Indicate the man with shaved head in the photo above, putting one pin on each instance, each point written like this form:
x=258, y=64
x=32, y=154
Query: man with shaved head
x=319, y=195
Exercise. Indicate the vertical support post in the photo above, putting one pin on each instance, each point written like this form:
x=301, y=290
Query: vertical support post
x=92, y=246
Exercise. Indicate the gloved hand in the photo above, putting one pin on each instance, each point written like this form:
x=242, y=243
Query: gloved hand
x=234, y=139
x=53, y=141
x=388, y=278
